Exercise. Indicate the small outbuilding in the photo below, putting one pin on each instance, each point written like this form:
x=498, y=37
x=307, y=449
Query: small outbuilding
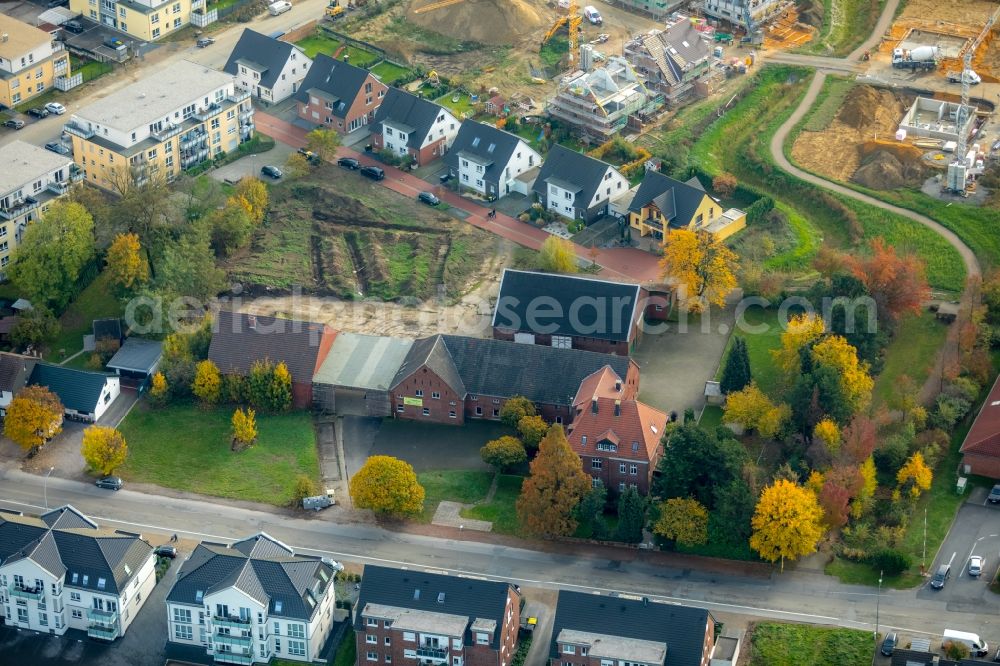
x=137, y=358
x=356, y=375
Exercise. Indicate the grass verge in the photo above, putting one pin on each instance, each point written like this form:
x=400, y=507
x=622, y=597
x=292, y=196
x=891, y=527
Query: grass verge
x=502, y=510
x=912, y=352
x=347, y=653
x=163, y=442
x=778, y=644
x=846, y=24
x=465, y=486
x=762, y=331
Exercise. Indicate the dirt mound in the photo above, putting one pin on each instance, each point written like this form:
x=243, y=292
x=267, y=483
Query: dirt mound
x=811, y=13
x=883, y=171
x=494, y=22
x=864, y=103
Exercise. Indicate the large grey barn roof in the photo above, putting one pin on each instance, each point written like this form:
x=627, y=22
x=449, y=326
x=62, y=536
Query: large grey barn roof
x=363, y=361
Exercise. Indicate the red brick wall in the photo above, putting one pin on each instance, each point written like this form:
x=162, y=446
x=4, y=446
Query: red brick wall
x=302, y=395
x=427, y=381
x=579, y=342
x=610, y=472
x=987, y=466
x=432, y=151
x=359, y=107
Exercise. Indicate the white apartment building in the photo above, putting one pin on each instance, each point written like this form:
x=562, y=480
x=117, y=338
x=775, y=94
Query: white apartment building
x=30, y=61
x=174, y=119
x=270, y=69
x=62, y=571
x=31, y=178
x=489, y=160
x=251, y=601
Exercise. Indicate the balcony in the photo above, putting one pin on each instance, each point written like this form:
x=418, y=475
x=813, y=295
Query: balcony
x=76, y=174
x=238, y=96
x=76, y=130
x=167, y=132
x=228, y=639
x=246, y=115
x=102, y=617
x=59, y=66
x=59, y=188
x=231, y=621
x=17, y=590
x=103, y=633
x=232, y=658
x=210, y=111
x=198, y=4
x=432, y=653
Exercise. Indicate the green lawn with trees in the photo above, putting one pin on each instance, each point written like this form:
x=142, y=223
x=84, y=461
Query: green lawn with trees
x=778, y=644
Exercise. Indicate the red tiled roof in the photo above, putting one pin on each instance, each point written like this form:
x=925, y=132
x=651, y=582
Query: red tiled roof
x=984, y=436
x=635, y=422
x=600, y=384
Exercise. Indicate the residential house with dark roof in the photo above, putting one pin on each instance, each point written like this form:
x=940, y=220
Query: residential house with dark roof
x=662, y=204
x=618, y=439
x=409, y=125
x=672, y=61
x=595, y=630
x=413, y=618
x=137, y=359
x=63, y=571
x=269, y=69
x=14, y=373
x=490, y=161
x=252, y=600
x=84, y=394
x=239, y=340
x=981, y=447
x=578, y=186
x=337, y=95
x=448, y=378
x=573, y=312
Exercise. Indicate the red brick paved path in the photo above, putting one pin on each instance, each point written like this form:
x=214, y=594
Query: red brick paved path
x=617, y=263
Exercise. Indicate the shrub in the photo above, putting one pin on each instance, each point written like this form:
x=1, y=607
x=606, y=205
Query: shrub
x=304, y=487
x=890, y=562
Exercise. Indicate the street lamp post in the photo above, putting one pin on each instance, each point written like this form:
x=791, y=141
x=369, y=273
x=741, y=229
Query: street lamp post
x=878, y=599
x=45, y=487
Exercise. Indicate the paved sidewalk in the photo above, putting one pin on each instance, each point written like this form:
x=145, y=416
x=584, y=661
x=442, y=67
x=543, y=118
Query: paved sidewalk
x=617, y=263
x=449, y=514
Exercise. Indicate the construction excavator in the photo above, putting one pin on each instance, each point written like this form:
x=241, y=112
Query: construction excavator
x=572, y=21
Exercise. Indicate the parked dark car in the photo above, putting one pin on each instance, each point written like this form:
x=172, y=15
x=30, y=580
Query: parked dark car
x=271, y=172
x=994, y=496
x=428, y=198
x=349, y=163
x=57, y=147
x=14, y=123
x=373, y=172
x=205, y=41
x=889, y=643
x=73, y=26
x=110, y=482
x=166, y=551
x=38, y=112
x=941, y=576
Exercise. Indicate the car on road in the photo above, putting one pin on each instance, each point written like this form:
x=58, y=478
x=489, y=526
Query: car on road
x=976, y=565
x=349, y=163
x=889, y=643
x=428, y=198
x=14, y=123
x=373, y=172
x=38, y=112
x=56, y=108
x=166, y=551
x=941, y=576
x=204, y=41
x=110, y=482
x=57, y=147
x=74, y=26
x=271, y=172
x=994, y=496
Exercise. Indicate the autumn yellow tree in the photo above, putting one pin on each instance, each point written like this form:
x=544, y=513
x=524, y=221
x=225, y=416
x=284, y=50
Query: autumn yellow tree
x=503, y=452
x=297, y=165
x=557, y=255
x=207, y=385
x=388, y=486
x=323, y=142
x=856, y=384
x=158, y=390
x=103, y=449
x=127, y=267
x=550, y=495
x=532, y=429
x=753, y=410
x=866, y=493
x=34, y=416
x=684, y=520
x=787, y=523
x=703, y=269
x=244, y=428
x=828, y=434
x=801, y=330
x=251, y=194
x=279, y=391
x=915, y=475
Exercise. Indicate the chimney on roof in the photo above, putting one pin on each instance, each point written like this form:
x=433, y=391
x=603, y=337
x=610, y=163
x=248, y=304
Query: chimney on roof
x=4, y=37
x=618, y=407
x=252, y=322
x=593, y=405
x=645, y=601
x=618, y=385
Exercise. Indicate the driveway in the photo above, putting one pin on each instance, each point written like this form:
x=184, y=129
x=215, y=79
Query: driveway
x=251, y=164
x=675, y=363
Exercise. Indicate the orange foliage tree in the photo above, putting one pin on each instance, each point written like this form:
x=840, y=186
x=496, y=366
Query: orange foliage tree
x=549, y=496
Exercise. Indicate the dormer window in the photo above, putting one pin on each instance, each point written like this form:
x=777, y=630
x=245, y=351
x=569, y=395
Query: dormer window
x=101, y=582
x=583, y=440
x=86, y=579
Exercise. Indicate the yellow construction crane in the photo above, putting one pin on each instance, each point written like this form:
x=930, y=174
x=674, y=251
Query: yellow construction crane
x=572, y=21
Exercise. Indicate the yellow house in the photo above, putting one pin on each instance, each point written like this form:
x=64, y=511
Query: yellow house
x=172, y=120
x=30, y=61
x=147, y=20
x=32, y=178
x=662, y=203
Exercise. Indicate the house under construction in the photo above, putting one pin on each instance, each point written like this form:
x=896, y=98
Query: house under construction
x=601, y=102
x=672, y=61
x=746, y=14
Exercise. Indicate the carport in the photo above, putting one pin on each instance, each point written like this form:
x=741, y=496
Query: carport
x=355, y=377
x=136, y=360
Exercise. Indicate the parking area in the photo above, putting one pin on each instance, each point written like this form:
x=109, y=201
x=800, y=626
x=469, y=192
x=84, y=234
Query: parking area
x=251, y=164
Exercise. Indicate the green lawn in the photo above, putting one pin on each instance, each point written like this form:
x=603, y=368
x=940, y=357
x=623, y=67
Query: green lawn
x=453, y=485
x=188, y=448
x=711, y=417
x=502, y=511
x=347, y=653
x=759, y=346
x=96, y=301
x=846, y=23
x=463, y=105
x=91, y=69
x=778, y=644
x=320, y=42
x=389, y=72
x=912, y=352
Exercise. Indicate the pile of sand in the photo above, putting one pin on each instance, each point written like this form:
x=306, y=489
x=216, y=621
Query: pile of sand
x=866, y=109
x=811, y=13
x=494, y=22
x=883, y=171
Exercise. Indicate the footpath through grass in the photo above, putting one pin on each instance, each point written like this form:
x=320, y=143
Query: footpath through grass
x=777, y=644
x=188, y=448
x=846, y=24
x=469, y=487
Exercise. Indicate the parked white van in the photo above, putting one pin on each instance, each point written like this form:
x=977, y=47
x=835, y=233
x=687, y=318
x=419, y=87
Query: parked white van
x=593, y=15
x=977, y=646
x=279, y=7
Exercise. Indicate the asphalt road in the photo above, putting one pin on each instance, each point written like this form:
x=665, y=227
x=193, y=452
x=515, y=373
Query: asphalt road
x=807, y=596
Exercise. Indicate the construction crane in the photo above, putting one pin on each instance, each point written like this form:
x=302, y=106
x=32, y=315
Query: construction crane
x=572, y=22
x=958, y=170
x=751, y=26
